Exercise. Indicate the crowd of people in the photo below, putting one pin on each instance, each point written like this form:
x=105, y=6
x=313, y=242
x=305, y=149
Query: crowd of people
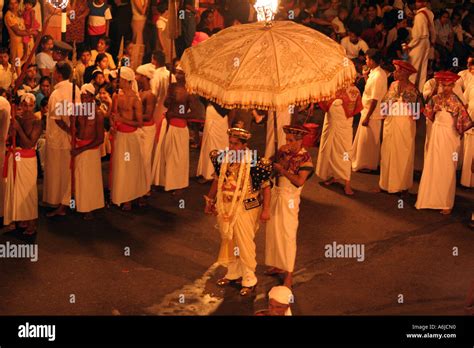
x=411, y=59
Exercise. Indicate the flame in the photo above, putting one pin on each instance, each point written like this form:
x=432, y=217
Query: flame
x=62, y=4
x=266, y=10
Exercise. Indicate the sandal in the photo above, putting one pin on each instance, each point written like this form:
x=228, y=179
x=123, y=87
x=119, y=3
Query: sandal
x=224, y=281
x=247, y=290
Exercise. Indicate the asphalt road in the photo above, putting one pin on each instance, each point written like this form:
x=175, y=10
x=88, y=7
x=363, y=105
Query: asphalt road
x=83, y=270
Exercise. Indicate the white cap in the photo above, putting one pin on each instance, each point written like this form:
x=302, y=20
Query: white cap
x=88, y=87
x=281, y=294
x=147, y=70
x=127, y=73
x=28, y=97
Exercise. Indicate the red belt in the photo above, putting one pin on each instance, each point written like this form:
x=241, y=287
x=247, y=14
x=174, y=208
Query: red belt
x=81, y=143
x=125, y=128
x=19, y=153
x=178, y=122
x=149, y=123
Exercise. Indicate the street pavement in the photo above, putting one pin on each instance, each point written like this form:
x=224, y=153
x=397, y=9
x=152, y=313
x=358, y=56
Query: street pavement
x=160, y=260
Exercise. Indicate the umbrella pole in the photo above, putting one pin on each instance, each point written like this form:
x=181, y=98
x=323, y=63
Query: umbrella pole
x=275, y=131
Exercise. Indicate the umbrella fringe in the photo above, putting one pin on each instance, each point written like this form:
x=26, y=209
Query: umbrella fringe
x=310, y=93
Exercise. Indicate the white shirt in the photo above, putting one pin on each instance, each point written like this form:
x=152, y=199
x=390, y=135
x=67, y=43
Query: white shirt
x=421, y=27
x=352, y=50
x=375, y=88
x=7, y=76
x=159, y=87
x=45, y=61
x=5, y=110
x=466, y=79
x=58, y=110
x=340, y=26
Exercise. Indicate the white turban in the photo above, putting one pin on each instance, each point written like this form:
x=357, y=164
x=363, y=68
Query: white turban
x=282, y=295
x=88, y=87
x=127, y=74
x=147, y=70
x=28, y=97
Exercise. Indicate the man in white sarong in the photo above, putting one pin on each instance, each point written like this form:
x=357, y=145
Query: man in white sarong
x=214, y=137
x=423, y=35
x=450, y=120
x=57, y=172
x=334, y=159
x=294, y=166
x=147, y=133
x=283, y=117
x=176, y=146
x=5, y=110
x=467, y=178
x=159, y=86
x=128, y=167
x=21, y=192
x=279, y=299
x=240, y=187
x=89, y=188
x=401, y=107
x=366, y=145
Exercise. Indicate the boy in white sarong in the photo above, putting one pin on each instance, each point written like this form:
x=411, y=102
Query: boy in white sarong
x=89, y=188
x=21, y=192
x=294, y=166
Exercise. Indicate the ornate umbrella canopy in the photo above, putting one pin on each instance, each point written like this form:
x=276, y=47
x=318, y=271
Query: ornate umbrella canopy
x=267, y=66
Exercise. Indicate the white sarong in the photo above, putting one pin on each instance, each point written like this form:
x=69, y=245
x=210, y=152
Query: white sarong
x=467, y=178
x=438, y=180
x=214, y=138
x=128, y=168
x=397, y=154
x=176, y=156
x=57, y=176
x=366, y=146
x=334, y=159
x=158, y=165
x=147, y=138
x=89, y=193
x=21, y=193
x=243, y=232
x=280, y=245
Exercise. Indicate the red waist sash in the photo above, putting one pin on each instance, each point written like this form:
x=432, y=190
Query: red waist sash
x=18, y=153
x=81, y=143
x=149, y=123
x=178, y=122
x=125, y=128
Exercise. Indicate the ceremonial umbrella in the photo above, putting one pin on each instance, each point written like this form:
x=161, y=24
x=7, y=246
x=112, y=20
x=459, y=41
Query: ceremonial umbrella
x=267, y=65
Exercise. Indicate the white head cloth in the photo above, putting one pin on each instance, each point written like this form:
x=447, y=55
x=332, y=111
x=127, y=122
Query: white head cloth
x=146, y=70
x=28, y=97
x=282, y=295
x=127, y=73
x=88, y=87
